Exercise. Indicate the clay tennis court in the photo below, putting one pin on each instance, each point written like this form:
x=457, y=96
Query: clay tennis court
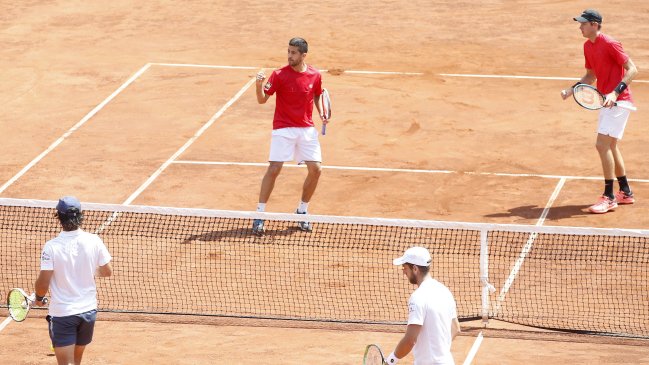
x=417, y=132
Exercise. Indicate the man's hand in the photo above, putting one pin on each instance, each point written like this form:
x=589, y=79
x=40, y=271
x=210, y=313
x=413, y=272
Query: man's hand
x=260, y=77
x=610, y=100
x=566, y=93
x=39, y=301
x=324, y=119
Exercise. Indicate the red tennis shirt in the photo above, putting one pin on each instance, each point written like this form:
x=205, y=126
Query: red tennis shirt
x=295, y=94
x=606, y=58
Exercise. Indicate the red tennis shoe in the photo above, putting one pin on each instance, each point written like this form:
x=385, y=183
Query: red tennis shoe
x=603, y=205
x=624, y=198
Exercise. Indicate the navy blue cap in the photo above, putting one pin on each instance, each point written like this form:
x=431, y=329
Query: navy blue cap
x=589, y=15
x=68, y=204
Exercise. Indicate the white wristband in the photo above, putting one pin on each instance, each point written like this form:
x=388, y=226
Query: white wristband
x=392, y=359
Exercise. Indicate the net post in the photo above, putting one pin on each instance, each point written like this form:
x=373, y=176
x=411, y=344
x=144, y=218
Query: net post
x=484, y=275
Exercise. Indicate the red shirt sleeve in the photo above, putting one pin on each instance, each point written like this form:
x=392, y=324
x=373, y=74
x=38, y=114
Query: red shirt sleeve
x=617, y=53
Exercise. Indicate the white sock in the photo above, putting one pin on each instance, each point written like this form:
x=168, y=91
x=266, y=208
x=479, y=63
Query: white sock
x=261, y=207
x=302, y=208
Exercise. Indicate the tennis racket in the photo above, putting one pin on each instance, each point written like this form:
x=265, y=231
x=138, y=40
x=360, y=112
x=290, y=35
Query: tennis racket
x=19, y=303
x=373, y=355
x=590, y=98
x=325, y=108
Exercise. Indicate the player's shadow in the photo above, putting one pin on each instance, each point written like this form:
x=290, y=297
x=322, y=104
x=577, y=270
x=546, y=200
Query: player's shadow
x=534, y=212
x=240, y=233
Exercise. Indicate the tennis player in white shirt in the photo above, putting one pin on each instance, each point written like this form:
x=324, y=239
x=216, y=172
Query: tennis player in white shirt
x=69, y=263
x=432, y=314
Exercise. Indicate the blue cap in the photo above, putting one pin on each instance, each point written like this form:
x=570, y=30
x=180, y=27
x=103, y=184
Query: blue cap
x=68, y=204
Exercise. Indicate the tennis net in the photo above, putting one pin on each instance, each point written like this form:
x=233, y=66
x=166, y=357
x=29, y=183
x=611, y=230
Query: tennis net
x=208, y=262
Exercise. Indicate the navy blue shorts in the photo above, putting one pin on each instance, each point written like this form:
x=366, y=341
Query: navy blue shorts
x=76, y=329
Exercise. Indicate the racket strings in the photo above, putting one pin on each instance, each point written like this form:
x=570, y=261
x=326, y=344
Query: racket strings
x=588, y=98
x=18, y=305
x=374, y=357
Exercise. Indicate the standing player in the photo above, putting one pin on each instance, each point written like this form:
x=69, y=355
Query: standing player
x=69, y=263
x=432, y=315
x=298, y=87
x=607, y=63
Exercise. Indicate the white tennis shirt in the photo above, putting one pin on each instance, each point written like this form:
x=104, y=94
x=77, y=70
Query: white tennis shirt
x=74, y=256
x=432, y=306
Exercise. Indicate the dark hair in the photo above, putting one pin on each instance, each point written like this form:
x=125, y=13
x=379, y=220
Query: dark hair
x=300, y=43
x=423, y=269
x=70, y=221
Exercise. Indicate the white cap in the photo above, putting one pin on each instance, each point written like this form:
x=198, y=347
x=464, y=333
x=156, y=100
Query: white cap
x=415, y=255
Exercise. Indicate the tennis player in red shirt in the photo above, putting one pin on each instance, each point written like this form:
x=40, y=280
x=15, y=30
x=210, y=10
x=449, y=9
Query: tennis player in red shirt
x=613, y=69
x=298, y=87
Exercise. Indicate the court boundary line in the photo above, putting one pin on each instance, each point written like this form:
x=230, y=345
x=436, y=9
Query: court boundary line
x=191, y=141
x=385, y=169
x=5, y=323
x=79, y=124
x=526, y=248
x=474, y=349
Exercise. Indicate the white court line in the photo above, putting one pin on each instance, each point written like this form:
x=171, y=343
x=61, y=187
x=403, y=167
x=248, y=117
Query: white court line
x=205, y=66
x=258, y=68
x=5, y=323
x=523, y=77
x=383, y=72
x=474, y=350
x=419, y=171
x=370, y=72
x=74, y=128
x=188, y=143
x=526, y=248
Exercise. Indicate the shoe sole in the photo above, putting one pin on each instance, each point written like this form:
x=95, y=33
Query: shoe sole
x=606, y=211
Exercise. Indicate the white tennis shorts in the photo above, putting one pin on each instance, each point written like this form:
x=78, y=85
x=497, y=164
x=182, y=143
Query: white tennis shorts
x=612, y=121
x=295, y=144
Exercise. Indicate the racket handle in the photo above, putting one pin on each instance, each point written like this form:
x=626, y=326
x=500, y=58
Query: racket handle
x=627, y=107
x=324, y=129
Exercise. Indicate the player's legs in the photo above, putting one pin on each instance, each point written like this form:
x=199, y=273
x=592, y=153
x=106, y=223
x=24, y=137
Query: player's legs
x=610, y=129
x=267, y=186
x=268, y=182
x=308, y=152
x=617, y=157
x=604, y=145
x=624, y=195
x=65, y=355
x=85, y=332
x=78, y=354
x=311, y=181
x=606, y=201
x=63, y=333
x=282, y=148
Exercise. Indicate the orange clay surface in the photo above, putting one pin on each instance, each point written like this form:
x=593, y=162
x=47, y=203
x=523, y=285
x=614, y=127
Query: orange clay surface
x=455, y=136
